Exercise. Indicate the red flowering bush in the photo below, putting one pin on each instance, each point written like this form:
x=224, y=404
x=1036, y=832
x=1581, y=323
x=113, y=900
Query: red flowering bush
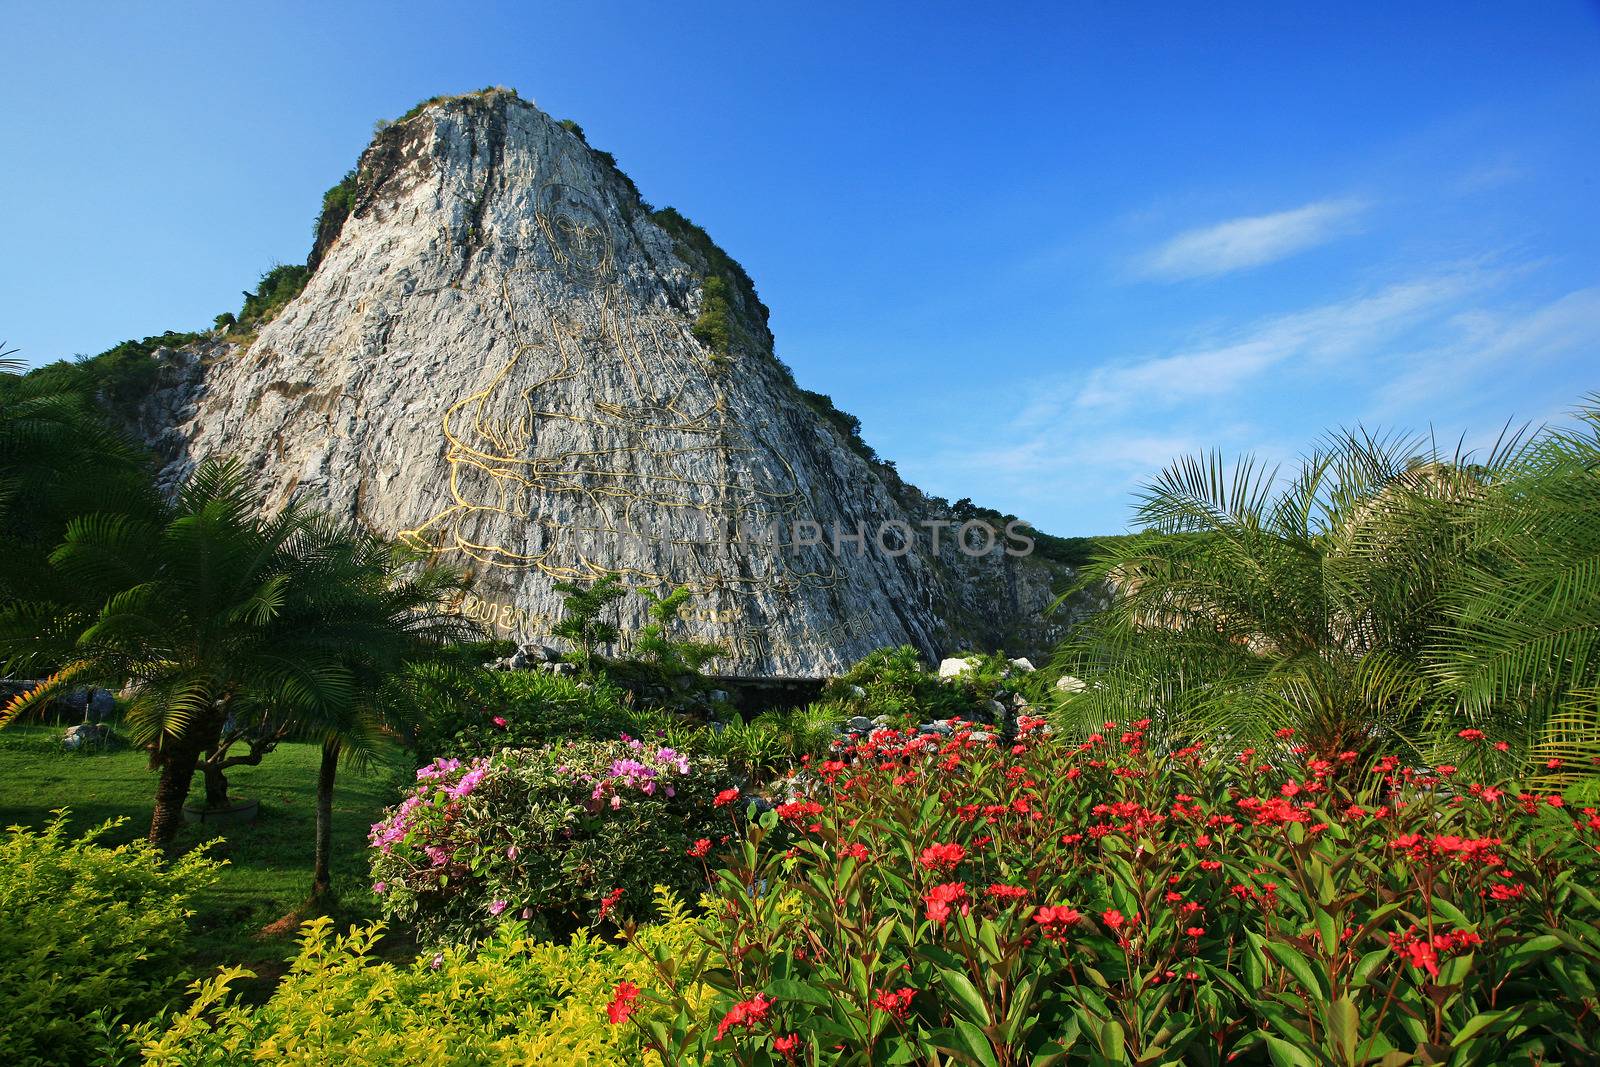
x=1044, y=901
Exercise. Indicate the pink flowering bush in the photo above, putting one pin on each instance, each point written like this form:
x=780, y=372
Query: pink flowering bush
x=955, y=901
x=555, y=837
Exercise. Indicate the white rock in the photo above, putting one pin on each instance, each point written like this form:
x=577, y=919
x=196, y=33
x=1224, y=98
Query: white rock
x=1022, y=663
x=1068, y=684
x=955, y=667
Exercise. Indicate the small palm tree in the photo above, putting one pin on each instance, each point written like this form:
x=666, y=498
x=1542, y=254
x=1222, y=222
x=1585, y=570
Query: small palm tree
x=380, y=612
x=1252, y=604
x=191, y=619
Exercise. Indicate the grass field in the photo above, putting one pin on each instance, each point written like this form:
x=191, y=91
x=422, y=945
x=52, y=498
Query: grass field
x=268, y=875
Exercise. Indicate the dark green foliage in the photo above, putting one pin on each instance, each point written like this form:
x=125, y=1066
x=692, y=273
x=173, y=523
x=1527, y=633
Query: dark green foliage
x=696, y=248
x=848, y=426
x=657, y=646
x=1385, y=594
x=896, y=683
x=535, y=709
x=121, y=375
x=714, y=327
x=574, y=129
x=61, y=458
x=277, y=287
x=337, y=204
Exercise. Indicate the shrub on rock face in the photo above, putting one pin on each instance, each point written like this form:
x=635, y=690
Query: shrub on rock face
x=510, y=1000
x=555, y=837
x=87, y=931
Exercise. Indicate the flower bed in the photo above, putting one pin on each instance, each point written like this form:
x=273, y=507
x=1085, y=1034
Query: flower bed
x=1099, y=903
x=556, y=837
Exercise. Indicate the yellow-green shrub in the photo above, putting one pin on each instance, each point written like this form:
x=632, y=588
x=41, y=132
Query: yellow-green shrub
x=513, y=1000
x=86, y=931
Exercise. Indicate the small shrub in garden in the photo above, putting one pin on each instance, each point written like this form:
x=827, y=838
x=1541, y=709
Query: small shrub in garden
x=510, y=1001
x=898, y=684
x=525, y=709
x=1051, y=902
x=87, y=931
x=555, y=837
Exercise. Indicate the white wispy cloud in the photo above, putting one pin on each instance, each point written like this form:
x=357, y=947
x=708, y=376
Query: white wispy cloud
x=1457, y=350
x=1325, y=332
x=1488, y=344
x=1241, y=243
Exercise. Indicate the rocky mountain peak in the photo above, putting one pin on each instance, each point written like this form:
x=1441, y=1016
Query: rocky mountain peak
x=505, y=355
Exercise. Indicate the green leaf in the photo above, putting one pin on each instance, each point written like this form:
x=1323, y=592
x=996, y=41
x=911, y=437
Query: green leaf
x=1341, y=1019
x=967, y=996
x=1297, y=965
x=1286, y=1055
x=791, y=989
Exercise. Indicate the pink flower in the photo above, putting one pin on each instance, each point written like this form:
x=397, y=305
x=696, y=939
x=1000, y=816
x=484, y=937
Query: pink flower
x=496, y=907
x=500, y=721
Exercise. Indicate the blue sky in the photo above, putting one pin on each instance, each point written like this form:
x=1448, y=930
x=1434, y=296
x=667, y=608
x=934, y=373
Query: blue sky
x=1039, y=251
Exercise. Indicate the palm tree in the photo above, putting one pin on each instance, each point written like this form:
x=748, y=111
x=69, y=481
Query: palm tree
x=60, y=457
x=193, y=621
x=1253, y=604
x=1520, y=640
x=379, y=611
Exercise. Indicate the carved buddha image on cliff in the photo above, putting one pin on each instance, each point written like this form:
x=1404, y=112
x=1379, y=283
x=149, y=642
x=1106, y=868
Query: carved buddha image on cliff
x=600, y=442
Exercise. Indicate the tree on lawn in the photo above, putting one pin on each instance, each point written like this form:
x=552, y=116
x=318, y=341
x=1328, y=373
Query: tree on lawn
x=379, y=611
x=195, y=621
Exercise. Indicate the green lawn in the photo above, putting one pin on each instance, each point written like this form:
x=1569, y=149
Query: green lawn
x=268, y=874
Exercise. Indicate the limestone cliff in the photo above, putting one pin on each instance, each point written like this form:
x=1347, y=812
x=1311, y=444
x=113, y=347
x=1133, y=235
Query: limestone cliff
x=504, y=354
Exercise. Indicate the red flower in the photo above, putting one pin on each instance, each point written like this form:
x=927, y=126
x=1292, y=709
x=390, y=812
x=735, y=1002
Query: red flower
x=1470, y=734
x=854, y=850
x=942, y=857
x=701, y=847
x=796, y=810
x=1055, y=919
x=746, y=1013
x=727, y=796
x=786, y=1044
x=1006, y=892
x=896, y=1004
x=609, y=902
x=623, y=1003
x=941, y=897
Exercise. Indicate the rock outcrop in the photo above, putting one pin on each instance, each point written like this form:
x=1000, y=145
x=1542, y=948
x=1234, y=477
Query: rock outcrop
x=505, y=355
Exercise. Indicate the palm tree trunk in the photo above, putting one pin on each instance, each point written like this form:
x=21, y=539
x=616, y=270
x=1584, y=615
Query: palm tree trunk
x=177, y=765
x=321, y=879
